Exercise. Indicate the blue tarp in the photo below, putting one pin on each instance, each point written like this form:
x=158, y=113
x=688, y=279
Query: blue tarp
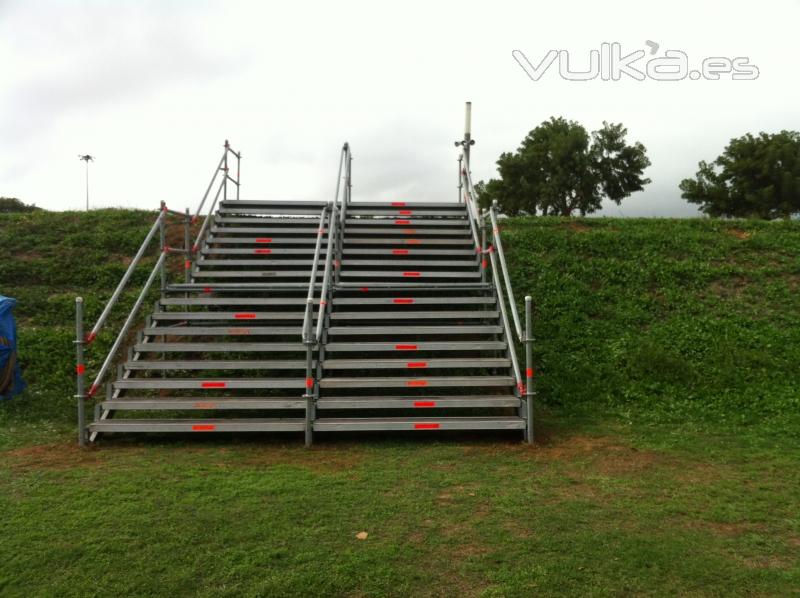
x=8, y=350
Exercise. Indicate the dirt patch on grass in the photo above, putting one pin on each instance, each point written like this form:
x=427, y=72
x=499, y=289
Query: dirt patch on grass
x=577, y=227
x=738, y=233
x=730, y=288
x=56, y=457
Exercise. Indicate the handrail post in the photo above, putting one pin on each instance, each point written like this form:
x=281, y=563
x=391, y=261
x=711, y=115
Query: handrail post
x=162, y=230
x=484, y=261
x=225, y=172
x=80, y=371
x=528, y=370
x=308, y=341
x=238, y=173
x=498, y=245
x=187, y=246
x=460, y=183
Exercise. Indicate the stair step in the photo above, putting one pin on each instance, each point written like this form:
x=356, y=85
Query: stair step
x=406, y=330
x=274, y=203
x=358, y=215
x=337, y=301
x=267, y=230
x=256, y=273
x=417, y=382
x=398, y=219
x=406, y=251
x=256, y=262
x=247, y=316
x=215, y=384
x=401, y=263
x=416, y=241
x=417, y=423
x=418, y=402
x=265, y=242
x=414, y=315
x=415, y=364
x=402, y=204
x=269, y=220
x=216, y=347
x=222, y=331
x=410, y=229
x=262, y=251
x=198, y=425
x=209, y=364
x=411, y=275
x=201, y=403
x=417, y=345
x=236, y=301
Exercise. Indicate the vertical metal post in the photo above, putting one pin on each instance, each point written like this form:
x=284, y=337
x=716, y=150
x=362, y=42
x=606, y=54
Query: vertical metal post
x=460, y=183
x=238, y=173
x=80, y=371
x=484, y=261
x=528, y=370
x=163, y=235
x=187, y=245
x=309, y=394
x=467, y=130
x=225, y=172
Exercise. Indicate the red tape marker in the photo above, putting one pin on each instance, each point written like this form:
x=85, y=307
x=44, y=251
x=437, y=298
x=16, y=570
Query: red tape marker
x=400, y=251
x=212, y=384
x=406, y=301
x=402, y=222
x=529, y=372
x=238, y=331
x=92, y=390
x=263, y=251
x=309, y=382
x=426, y=426
x=405, y=212
x=398, y=203
x=188, y=264
x=91, y=337
x=364, y=289
x=417, y=383
x=206, y=289
x=521, y=388
x=417, y=364
x=204, y=405
x=413, y=241
x=245, y=316
x=484, y=263
x=424, y=403
x=406, y=347
x=203, y=428
x=80, y=368
x=261, y=240
x=409, y=231
x=411, y=274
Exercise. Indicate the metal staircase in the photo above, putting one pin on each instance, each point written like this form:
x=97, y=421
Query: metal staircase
x=318, y=317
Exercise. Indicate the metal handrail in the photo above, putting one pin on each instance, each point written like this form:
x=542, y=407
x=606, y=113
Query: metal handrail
x=326, y=276
x=223, y=188
x=126, y=277
x=504, y=316
x=469, y=199
x=313, y=281
x=128, y=322
x=498, y=245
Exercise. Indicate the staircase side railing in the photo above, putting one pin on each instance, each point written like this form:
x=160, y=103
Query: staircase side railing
x=504, y=299
x=222, y=189
x=83, y=341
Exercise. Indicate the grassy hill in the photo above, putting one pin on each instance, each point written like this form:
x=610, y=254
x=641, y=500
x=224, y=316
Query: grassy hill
x=667, y=359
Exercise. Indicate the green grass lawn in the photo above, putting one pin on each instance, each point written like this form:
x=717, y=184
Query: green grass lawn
x=667, y=460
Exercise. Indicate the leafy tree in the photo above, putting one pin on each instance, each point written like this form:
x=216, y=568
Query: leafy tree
x=560, y=168
x=12, y=204
x=755, y=177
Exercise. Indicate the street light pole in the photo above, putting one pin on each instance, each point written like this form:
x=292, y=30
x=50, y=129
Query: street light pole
x=87, y=158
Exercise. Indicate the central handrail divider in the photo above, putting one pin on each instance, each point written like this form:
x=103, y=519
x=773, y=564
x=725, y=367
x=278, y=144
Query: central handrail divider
x=83, y=341
x=311, y=337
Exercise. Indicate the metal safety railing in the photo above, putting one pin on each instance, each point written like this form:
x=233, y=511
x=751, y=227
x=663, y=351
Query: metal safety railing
x=83, y=341
x=506, y=300
x=222, y=189
x=334, y=214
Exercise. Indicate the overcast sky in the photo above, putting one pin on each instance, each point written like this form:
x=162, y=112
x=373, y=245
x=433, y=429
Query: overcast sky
x=153, y=88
